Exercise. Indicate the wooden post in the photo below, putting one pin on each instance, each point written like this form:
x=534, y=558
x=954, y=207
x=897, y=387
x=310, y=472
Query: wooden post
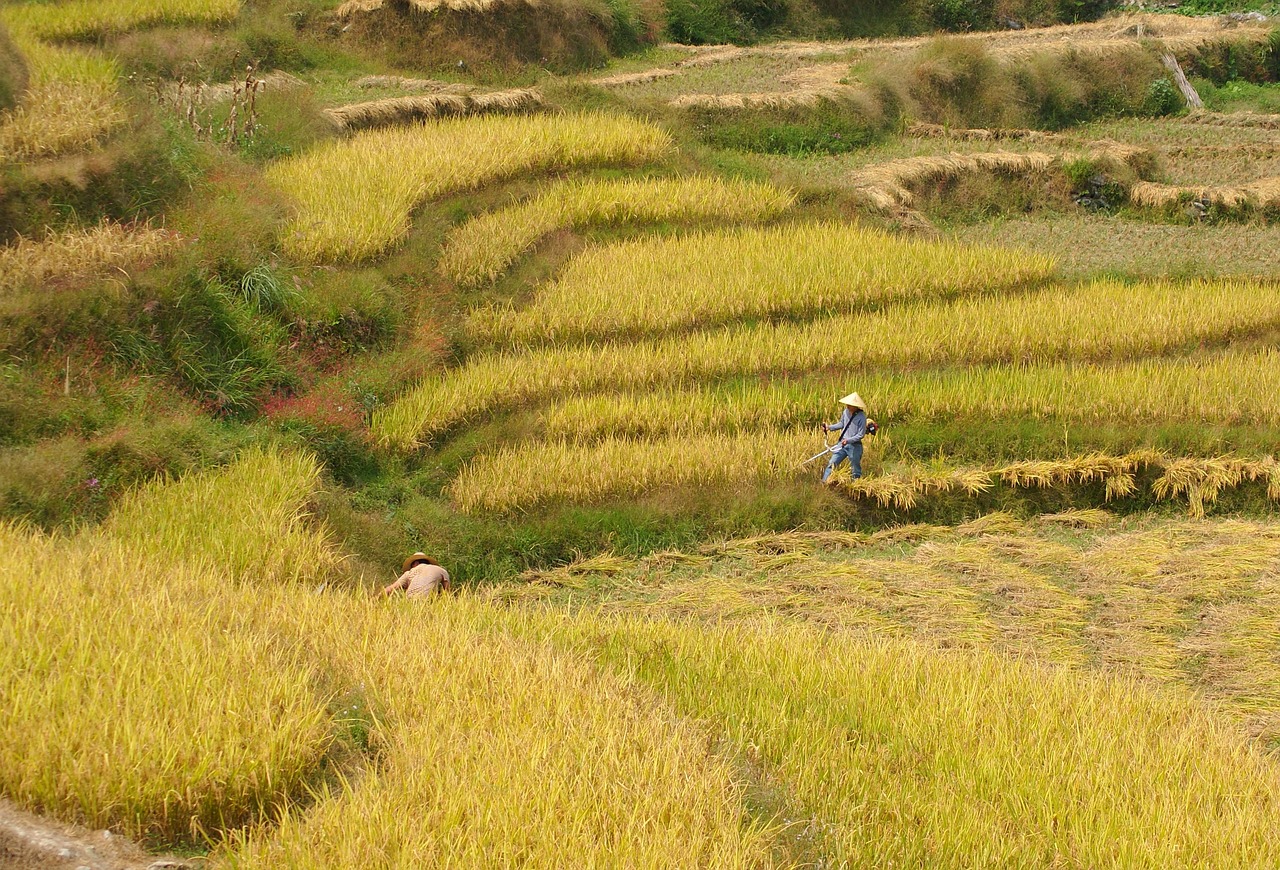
x=1180, y=79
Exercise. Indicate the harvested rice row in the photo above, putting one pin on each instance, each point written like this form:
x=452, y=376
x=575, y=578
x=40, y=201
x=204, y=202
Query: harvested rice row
x=1264, y=193
x=1229, y=387
x=1190, y=603
x=659, y=284
x=1199, y=480
x=519, y=477
x=407, y=110
x=354, y=198
x=485, y=246
x=1098, y=321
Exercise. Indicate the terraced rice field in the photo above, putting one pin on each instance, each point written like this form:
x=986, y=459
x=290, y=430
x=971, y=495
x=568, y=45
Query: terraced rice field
x=354, y=198
x=621, y=752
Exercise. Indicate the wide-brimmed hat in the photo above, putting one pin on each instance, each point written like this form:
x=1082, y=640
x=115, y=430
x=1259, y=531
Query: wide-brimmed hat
x=853, y=400
x=416, y=558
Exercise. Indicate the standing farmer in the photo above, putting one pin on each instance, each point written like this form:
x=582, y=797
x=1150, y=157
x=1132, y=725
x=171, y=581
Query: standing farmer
x=422, y=578
x=852, y=427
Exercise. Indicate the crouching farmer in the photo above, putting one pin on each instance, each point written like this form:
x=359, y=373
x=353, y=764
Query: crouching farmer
x=422, y=578
x=852, y=427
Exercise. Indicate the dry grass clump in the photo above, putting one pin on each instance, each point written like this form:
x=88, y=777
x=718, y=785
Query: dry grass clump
x=485, y=246
x=355, y=197
x=658, y=284
x=1125, y=320
x=1231, y=386
x=394, y=111
x=1264, y=193
x=356, y=7
x=1234, y=119
x=78, y=256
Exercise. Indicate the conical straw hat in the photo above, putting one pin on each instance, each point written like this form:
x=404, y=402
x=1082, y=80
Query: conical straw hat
x=855, y=401
x=416, y=558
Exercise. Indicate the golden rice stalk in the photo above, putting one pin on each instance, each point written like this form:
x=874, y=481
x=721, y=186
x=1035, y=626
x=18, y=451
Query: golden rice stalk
x=71, y=104
x=575, y=573
x=485, y=246
x=1126, y=320
x=994, y=523
x=1078, y=518
x=660, y=284
x=1231, y=386
x=79, y=256
x=354, y=197
x=1120, y=486
x=407, y=110
x=526, y=475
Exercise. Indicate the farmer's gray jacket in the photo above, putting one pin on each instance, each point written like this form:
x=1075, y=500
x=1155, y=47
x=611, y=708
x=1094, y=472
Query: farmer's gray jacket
x=856, y=428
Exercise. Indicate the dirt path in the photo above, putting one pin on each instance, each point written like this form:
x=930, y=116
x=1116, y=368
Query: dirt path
x=31, y=842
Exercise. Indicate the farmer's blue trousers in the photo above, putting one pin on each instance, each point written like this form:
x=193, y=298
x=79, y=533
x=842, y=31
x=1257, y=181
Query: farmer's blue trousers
x=851, y=452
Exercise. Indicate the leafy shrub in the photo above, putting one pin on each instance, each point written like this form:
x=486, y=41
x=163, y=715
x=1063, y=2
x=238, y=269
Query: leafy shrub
x=961, y=15
x=708, y=22
x=958, y=83
x=1162, y=99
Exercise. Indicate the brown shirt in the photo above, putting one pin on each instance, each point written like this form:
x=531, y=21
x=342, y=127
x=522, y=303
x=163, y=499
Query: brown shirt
x=422, y=580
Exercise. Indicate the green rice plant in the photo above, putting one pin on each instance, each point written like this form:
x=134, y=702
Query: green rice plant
x=355, y=197
x=1228, y=387
x=1124, y=321
x=657, y=284
x=485, y=246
